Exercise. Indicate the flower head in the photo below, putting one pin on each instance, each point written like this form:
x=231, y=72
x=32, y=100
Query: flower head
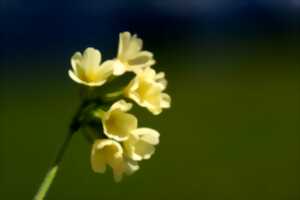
x=140, y=144
x=123, y=144
x=130, y=56
x=86, y=68
x=146, y=89
x=117, y=123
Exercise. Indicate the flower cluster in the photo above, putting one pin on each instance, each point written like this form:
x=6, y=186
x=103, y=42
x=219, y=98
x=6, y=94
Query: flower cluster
x=123, y=143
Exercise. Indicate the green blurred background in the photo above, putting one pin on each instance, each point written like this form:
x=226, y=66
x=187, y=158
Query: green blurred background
x=233, y=72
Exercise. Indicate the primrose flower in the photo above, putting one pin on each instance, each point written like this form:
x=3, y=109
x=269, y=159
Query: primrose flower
x=146, y=89
x=86, y=68
x=108, y=152
x=118, y=124
x=130, y=56
x=140, y=144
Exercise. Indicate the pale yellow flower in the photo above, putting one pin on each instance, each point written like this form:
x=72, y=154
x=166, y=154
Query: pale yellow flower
x=86, y=68
x=146, y=89
x=130, y=56
x=118, y=124
x=108, y=152
x=140, y=144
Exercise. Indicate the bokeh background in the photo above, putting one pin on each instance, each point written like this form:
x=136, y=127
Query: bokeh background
x=233, y=71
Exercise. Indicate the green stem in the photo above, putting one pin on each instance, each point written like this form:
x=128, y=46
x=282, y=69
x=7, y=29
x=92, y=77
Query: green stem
x=113, y=96
x=45, y=185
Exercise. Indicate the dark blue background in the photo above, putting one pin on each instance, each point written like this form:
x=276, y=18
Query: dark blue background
x=40, y=28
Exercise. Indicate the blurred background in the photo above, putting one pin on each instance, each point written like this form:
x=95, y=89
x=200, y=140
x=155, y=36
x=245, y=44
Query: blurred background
x=233, y=71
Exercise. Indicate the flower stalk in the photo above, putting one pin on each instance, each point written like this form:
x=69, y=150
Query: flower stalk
x=117, y=141
x=50, y=176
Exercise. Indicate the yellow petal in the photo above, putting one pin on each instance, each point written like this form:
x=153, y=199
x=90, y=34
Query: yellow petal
x=118, y=170
x=121, y=105
x=104, y=71
x=118, y=68
x=148, y=74
x=97, y=160
x=75, y=78
x=129, y=46
x=134, y=46
x=106, y=152
x=160, y=79
x=76, y=63
x=140, y=144
x=124, y=39
x=165, y=100
x=90, y=62
x=148, y=135
x=132, y=166
x=151, y=98
x=144, y=149
x=118, y=125
x=141, y=58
